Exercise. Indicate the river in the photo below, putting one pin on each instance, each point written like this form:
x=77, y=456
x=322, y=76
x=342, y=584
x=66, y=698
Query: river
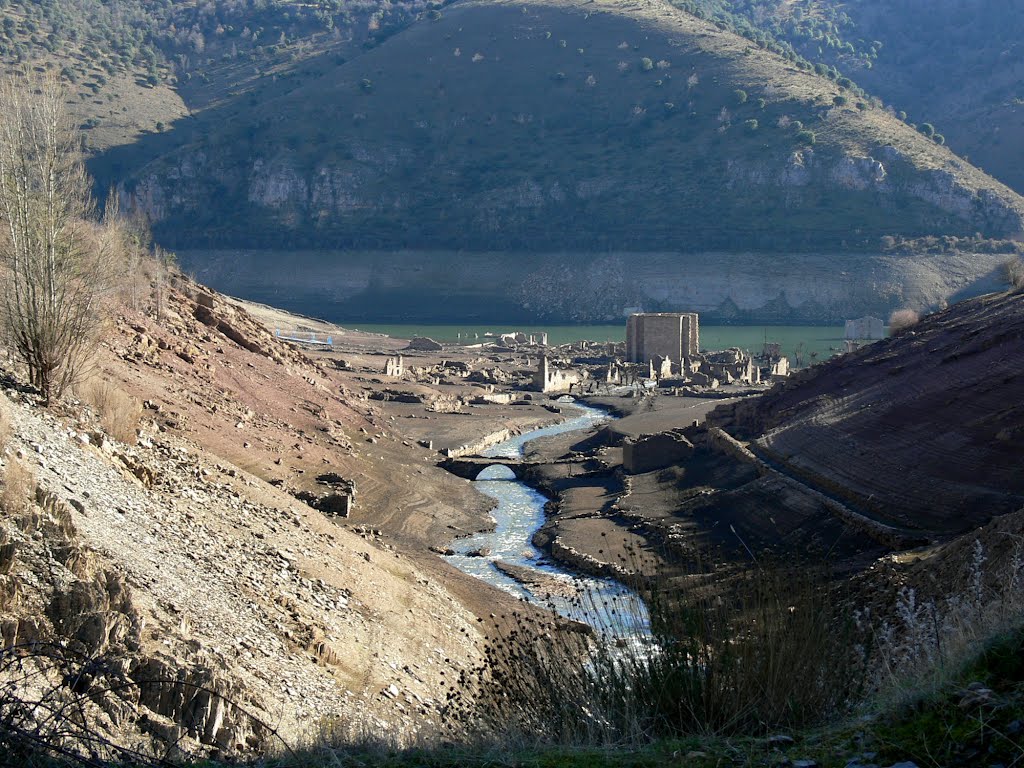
x=611, y=608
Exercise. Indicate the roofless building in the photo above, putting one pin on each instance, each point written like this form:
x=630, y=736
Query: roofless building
x=672, y=335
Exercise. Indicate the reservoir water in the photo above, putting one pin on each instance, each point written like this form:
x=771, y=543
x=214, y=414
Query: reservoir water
x=819, y=341
x=609, y=607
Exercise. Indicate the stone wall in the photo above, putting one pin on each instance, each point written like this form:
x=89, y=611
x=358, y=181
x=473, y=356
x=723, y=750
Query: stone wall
x=671, y=335
x=650, y=452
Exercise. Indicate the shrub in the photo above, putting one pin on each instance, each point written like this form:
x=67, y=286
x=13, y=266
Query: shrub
x=902, y=319
x=1013, y=271
x=750, y=126
x=839, y=101
x=19, y=488
x=646, y=64
x=926, y=639
x=927, y=129
x=119, y=414
x=761, y=652
x=806, y=137
x=740, y=96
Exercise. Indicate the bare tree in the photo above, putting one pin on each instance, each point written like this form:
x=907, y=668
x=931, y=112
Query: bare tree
x=56, y=262
x=134, y=241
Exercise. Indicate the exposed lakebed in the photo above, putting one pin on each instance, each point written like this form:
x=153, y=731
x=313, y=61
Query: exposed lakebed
x=511, y=562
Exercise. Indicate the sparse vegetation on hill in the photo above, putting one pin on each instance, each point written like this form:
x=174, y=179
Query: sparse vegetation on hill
x=287, y=117
x=931, y=62
x=482, y=130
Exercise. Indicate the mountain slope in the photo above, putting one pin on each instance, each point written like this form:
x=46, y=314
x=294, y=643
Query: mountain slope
x=133, y=67
x=208, y=607
x=954, y=69
x=609, y=125
x=924, y=431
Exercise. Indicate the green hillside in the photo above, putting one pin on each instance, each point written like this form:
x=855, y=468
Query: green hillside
x=611, y=125
x=952, y=68
x=546, y=125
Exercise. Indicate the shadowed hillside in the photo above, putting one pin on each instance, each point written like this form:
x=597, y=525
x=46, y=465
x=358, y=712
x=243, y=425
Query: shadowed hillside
x=499, y=125
x=924, y=431
x=952, y=69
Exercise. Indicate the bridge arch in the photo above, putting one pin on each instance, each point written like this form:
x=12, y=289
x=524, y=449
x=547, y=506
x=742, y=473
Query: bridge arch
x=497, y=472
x=471, y=467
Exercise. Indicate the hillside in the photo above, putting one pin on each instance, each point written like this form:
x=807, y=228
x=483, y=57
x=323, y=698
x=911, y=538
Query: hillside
x=133, y=68
x=952, y=71
x=498, y=126
x=922, y=431
x=196, y=599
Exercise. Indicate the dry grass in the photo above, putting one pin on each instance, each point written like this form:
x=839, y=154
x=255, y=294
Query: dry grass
x=6, y=427
x=19, y=488
x=119, y=413
x=928, y=639
x=1013, y=271
x=767, y=650
x=902, y=319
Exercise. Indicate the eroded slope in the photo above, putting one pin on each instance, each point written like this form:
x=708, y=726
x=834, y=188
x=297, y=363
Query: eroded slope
x=924, y=430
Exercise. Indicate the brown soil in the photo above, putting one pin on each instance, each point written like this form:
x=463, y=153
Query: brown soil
x=308, y=621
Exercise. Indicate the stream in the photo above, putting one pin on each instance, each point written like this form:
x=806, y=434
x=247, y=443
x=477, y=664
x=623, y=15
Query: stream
x=612, y=609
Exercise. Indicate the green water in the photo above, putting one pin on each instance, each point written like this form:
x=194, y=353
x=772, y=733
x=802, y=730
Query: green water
x=821, y=341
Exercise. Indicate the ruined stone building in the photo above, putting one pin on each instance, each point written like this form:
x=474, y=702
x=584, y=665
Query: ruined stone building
x=865, y=328
x=662, y=367
x=672, y=335
x=549, y=378
x=731, y=365
x=394, y=367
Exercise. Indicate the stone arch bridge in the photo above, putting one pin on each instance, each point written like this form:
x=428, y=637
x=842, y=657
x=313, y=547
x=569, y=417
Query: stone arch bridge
x=470, y=467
